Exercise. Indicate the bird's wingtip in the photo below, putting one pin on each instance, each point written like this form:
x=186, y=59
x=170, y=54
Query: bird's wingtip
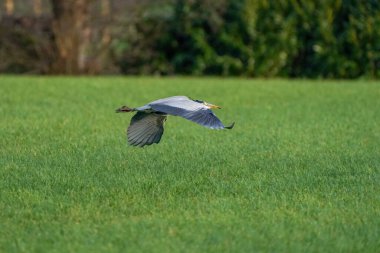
x=230, y=126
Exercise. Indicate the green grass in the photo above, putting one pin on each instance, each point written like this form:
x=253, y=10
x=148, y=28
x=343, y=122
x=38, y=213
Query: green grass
x=300, y=172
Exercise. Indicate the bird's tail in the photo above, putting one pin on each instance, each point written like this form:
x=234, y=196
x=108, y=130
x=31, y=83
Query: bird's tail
x=125, y=109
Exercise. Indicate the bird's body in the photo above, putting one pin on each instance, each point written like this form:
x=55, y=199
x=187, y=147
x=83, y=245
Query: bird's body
x=146, y=125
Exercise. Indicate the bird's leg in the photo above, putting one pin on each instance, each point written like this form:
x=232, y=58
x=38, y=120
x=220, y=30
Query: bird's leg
x=125, y=109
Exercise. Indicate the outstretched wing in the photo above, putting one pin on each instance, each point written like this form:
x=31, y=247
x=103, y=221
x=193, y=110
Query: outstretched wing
x=184, y=107
x=204, y=117
x=145, y=129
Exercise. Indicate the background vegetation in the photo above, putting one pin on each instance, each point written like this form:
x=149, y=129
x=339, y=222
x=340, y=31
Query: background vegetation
x=300, y=172
x=257, y=38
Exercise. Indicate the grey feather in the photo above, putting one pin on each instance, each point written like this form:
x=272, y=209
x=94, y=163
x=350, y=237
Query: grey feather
x=143, y=126
x=184, y=107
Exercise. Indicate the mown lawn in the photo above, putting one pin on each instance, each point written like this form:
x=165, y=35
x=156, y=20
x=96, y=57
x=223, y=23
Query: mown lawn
x=300, y=172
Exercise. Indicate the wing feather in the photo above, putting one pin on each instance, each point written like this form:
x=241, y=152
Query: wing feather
x=139, y=139
x=137, y=135
x=143, y=133
x=148, y=136
x=143, y=126
x=184, y=107
x=157, y=138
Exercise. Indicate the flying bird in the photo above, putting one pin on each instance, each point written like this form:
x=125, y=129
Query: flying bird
x=147, y=125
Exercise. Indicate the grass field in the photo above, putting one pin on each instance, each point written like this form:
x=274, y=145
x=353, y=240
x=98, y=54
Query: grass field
x=300, y=172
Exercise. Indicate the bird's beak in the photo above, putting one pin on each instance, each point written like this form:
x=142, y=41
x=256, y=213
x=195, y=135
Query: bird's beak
x=211, y=106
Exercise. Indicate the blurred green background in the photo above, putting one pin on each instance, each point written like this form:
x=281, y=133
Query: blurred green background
x=254, y=38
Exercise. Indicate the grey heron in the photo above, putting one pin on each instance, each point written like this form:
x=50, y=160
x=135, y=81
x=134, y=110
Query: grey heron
x=147, y=125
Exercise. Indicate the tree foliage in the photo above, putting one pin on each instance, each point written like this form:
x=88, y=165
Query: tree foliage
x=286, y=38
x=255, y=38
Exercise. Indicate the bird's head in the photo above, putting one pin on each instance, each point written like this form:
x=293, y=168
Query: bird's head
x=210, y=106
